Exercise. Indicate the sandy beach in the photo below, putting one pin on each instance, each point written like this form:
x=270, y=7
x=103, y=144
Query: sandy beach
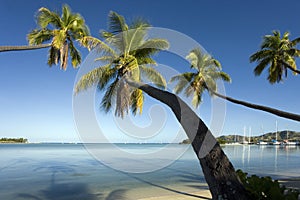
x=205, y=194
x=173, y=192
x=169, y=192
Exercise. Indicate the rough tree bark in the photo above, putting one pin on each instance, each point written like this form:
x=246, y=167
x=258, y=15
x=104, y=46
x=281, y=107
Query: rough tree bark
x=219, y=173
x=21, y=48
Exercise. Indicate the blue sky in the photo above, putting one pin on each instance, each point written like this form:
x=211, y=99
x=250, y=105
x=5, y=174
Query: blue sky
x=36, y=101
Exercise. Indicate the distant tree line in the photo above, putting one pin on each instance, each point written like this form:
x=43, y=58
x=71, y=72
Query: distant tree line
x=13, y=140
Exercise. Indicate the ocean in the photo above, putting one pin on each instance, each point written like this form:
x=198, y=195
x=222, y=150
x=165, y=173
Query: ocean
x=100, y=171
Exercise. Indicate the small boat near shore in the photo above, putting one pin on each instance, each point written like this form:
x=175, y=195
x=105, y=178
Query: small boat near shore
x=286, y=142
x=261, y=142
x=275, y=142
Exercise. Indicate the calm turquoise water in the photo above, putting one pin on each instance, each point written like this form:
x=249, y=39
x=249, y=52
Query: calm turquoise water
x=68, y=171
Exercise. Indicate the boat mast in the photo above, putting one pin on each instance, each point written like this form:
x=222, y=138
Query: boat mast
x=249, y=139
x=276, y=129
x=262, y=132
x=244, y=134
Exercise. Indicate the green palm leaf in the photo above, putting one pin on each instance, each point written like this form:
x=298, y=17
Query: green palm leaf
x=75, y=55
x=154, y=76
x=109, y=96
x=277, y=52
x=127, y=51
x=63, y=30
x=91, y=78
x=137, y=99
x=46, y=17
x=208, y=71
x=39, y=36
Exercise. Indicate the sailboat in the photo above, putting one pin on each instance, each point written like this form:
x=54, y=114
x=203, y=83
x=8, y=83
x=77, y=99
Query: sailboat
x=275, y=142
x=287, y=142
x=262, y=142
x=244, y=140
x=249, y=138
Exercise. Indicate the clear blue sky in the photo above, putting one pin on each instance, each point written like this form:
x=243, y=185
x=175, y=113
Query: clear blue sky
x=36, y=101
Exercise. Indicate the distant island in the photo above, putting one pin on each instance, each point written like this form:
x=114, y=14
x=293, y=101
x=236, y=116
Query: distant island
x=13, y=140
x=281, y=135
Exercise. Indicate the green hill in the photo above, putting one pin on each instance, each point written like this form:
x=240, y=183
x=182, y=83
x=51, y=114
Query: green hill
x=282, y=135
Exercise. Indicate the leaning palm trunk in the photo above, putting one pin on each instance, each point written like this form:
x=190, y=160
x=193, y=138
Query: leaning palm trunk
x=260, y=107
x=219, y=173
x=21, y=48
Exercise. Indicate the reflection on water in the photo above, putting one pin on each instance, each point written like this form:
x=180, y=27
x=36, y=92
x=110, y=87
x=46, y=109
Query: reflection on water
x=56, y=171
x=274, y=160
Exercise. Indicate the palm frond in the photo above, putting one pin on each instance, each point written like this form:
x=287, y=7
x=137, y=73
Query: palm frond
x=225, y=77
x=181, y=84
x=197, y=98
x=149, y=48
x=210, y=84
x=274, y=73
x=154, y=76
x=135, y=37
x=116, y=23
x=188, y=90
x=66, y=14
x=37, y=36
x=75, y=55
x=188, y=76
x=145, y=60
x=106, y=59
x=137, y=101
x=105, y=34
x=139, y=22
x=110, y=96
x=295, y=42
x=54, y=56
x=92, y=42
x=119, y=28
x=46, y=17
x=59, y=38
x=260, y=55
x=107, y=75
x=91, y=78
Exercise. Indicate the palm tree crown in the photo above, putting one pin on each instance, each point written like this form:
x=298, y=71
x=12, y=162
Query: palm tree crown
x=67, y=28
x=126, y=51
x=277, y=52
x=207, y=72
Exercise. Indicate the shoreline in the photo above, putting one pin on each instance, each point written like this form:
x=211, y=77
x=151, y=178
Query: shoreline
x=184, y=193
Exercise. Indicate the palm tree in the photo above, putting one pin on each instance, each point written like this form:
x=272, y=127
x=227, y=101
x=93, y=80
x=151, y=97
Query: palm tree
x=126, y=51
x=207, y=71
x=67, y=28
x=279, y=53
x=125, y=54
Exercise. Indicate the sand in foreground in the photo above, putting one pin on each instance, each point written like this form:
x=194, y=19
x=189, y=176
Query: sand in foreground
x=157, y=194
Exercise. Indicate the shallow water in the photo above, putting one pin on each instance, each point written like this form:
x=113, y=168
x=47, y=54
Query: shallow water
x=68, y=171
